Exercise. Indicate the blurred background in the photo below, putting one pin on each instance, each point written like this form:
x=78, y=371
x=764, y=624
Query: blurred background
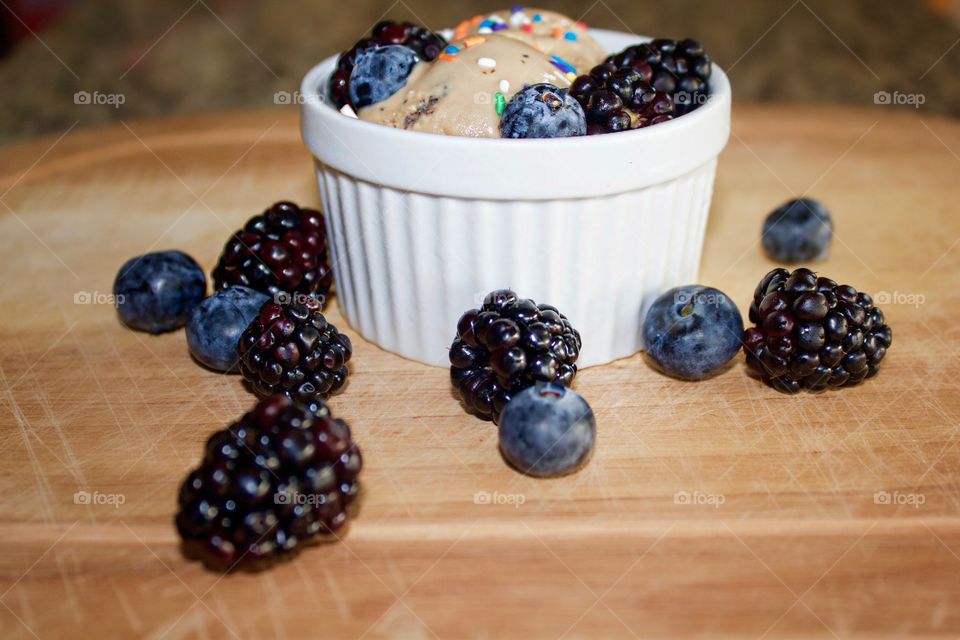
x=148, y=57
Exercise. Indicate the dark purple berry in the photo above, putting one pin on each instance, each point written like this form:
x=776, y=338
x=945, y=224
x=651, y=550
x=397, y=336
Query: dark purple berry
x=282, y=250
x=506, y=346
x=291, y=348
x=811, y=333
x=281, y=475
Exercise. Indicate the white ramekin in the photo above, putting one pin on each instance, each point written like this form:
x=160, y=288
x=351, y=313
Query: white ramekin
x=422, y=226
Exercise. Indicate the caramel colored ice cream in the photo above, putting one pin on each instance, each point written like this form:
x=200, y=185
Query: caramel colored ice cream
x=551, y=32
x=464, y=92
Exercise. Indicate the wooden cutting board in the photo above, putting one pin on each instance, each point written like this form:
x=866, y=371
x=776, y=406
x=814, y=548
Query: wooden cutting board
x=713, y=508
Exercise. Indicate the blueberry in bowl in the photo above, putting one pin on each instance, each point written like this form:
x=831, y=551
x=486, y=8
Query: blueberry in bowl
x=156, y=292
x=379, y=73
x=543, y=111
x=692, y=332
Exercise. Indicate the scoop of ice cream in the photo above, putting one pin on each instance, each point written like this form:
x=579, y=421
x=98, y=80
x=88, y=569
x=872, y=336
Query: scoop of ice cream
x=551, y=32
x=464, y=92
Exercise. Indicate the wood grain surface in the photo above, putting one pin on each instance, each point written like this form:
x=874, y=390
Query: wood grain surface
x=784, y=533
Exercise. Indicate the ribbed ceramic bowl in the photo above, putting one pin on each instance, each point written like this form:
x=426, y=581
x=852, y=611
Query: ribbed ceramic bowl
x=422, y=226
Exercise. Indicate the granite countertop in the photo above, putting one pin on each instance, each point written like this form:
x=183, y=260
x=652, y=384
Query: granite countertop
x=181, y=56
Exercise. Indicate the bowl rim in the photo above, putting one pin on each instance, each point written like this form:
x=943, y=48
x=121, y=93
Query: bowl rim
x=506, y=169
x=316, y=78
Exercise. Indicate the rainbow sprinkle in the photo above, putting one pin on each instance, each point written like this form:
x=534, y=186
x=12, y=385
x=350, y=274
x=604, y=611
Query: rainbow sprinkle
x=500, y=26
x=452, y=50
x=500, y=102
x=571, y=36
x=473, y=41
x=537, y=17
x=562, y=64
x=528, y=28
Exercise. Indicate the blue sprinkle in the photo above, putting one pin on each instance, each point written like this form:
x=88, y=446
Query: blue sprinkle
x=562, y=64
x=452, y=50
x=538, y=18
x=486, y=23
x=570, y=35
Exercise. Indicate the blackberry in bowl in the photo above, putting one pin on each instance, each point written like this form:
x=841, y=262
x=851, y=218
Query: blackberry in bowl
x=508, y=345
x=281, y=476
x=811, y=333
x=679, y=68
x=619, y=98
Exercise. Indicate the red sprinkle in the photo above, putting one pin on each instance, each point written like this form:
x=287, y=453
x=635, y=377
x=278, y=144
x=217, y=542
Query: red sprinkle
x=528, y=28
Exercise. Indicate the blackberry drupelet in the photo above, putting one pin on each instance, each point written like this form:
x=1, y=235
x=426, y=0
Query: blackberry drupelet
x=618, y=98
x=282, y=250
x=679, y=68
x=291, y=348
x=812, y=333
x=507, y=345
x=282, y=474
x=426, y=44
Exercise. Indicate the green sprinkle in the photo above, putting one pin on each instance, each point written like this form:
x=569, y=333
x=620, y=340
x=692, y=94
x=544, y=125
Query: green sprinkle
x=501, y=103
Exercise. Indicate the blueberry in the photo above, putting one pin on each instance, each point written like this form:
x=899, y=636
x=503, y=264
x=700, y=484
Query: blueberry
x=379, y=73
x=547, y=430
x=543, y=111
x=692, y=332
x=798, y=231
x=217, y=323
x=156, y=292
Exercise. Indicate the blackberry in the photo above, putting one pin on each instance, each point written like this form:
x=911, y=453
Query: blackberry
x=282, y=474
x=679, y=68
x=426, y=44
x=507, y=345
x=282, y=250
x=291, y=348
x=812, y=333
x=618, y=98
